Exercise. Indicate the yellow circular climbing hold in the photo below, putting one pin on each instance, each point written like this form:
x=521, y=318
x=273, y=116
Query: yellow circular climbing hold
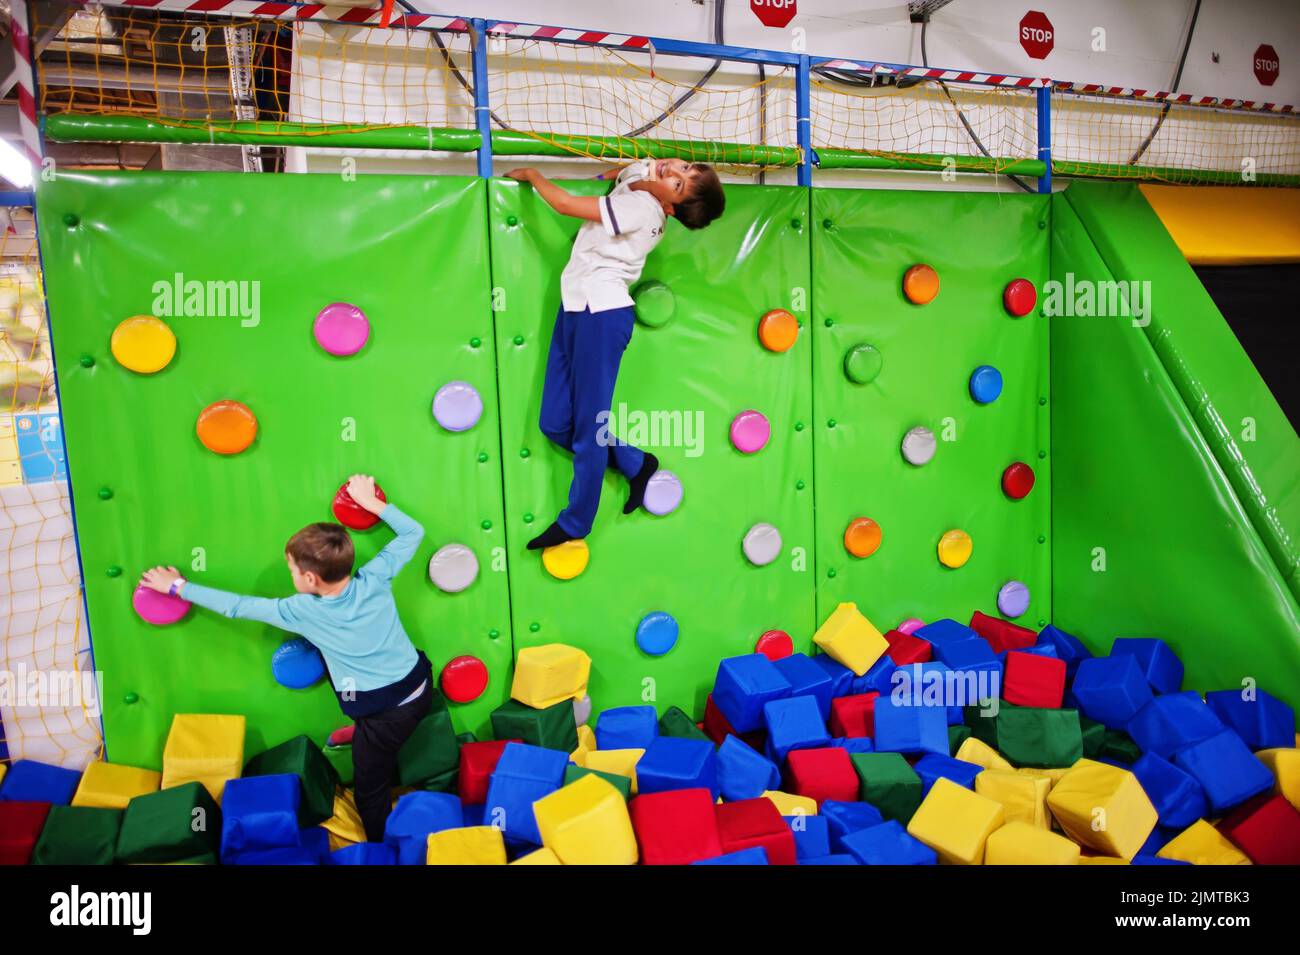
x=955, y=548
x=143, y=344
x=862, y=537
x=566, y=561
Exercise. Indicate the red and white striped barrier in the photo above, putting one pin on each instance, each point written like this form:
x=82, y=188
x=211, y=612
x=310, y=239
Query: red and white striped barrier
x=924, y=73
x=1164, y=96
x=528, y=31
x=332, y=13
x=26, y=80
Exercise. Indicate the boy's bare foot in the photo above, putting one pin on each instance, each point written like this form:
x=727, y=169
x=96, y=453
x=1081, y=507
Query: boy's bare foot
x=637, y=485
x=551, y=537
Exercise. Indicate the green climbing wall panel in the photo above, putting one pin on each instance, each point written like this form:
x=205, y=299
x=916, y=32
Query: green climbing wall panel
x=409, y=251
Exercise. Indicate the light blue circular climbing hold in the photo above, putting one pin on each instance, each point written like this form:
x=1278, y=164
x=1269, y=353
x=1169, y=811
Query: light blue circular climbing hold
x=1013, y=599
x=656, y=634
x=985, y=384
x=297, y=664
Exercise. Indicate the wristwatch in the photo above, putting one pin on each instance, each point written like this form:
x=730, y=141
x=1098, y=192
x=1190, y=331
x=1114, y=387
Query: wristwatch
x=177, y=584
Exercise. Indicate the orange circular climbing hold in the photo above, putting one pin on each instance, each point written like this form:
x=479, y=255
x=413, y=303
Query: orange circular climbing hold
x=226, y=427
x=463, y=679
x=143, y=344
x=920, y=284
x=777, y=330
x=862, y=537
x=955, y=548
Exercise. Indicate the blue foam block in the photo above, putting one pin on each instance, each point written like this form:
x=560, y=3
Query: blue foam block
x=754, y=855
x=807, y=679
x=30, y=781
x=1226, y=769
x=932, y=766
x=259, y=812
x=936, y=684
x=903, y=728
x=364, y=853
x=1264, y=722
x=627, y=727
x=840, y=859
x=672, y=762
x=743, y=686
x=284, y=855
x=473, y=814
x=1161, y=667
x=812, y=835
x=315, y=840
x=841, y=676
x=1173, y=722
x=794, y=723
x=1177, y=796
x=743, y=772
x=877, y=679
x=523, y=775
x=1111, y=690
x=945, y=631
x=888, y=844
x=1155, y=860
x=1068, y=647
x=418, y=814
x=1156, y=841
x=855, y=744
x=848, y=817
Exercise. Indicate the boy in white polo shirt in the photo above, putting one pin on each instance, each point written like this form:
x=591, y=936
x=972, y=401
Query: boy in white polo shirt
x=596, y=317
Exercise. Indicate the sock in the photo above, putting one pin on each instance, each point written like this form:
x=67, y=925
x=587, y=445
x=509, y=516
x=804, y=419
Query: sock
x=637, y=485
x=553, y=535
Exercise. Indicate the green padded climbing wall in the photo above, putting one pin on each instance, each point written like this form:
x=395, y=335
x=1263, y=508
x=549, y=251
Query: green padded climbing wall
x=706, y=363
x=410, y=252
x=862, y=244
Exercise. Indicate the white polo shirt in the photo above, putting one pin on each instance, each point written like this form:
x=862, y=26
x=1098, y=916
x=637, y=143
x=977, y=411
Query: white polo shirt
x=608, y=255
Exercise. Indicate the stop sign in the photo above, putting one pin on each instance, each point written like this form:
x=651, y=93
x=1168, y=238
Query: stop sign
x=774, y=13
x=1267, y=65
x=1036, y=34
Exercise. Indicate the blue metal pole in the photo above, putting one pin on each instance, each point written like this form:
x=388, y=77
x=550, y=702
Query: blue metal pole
x=803, y=108
x=1045, y=136
x=19, y=198
x=482, y=111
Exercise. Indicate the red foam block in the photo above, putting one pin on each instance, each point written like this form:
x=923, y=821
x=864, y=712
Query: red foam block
x=905, y=649
x=1002, y=634
x=823, y=774
x=1031, y=680
x=677, y=827
x=478, y=761
x=755, y=822
x=1267, y=829
x=854, y=716
x=20, y=826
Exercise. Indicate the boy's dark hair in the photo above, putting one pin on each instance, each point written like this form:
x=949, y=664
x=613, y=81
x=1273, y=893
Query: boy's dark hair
x=325, y=549
x=705, y=201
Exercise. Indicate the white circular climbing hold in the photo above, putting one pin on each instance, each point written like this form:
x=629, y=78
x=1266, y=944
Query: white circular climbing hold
x=762, y=544
x=918, y=446
x=663, y=493
x=453, y=568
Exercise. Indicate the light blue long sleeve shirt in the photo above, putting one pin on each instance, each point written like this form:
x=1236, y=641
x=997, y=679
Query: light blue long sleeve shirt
x=358, y=631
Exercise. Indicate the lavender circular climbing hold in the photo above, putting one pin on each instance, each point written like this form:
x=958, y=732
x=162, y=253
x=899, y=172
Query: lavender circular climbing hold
x=663, y=493
x=985, y=384
x=918, y=446
x=762, y=544
x=1013, y=599
x=453, y=568
x=158, y=609
x=862, y=363
x=656, y=634
x=910, y=625
x=457, y=406
x=750, y=431
x=582, y=709
x=296, y=664
x=341, y=329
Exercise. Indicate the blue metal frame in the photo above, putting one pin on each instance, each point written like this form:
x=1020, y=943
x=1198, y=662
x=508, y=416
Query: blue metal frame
x=482, y=109
x=1045, y=137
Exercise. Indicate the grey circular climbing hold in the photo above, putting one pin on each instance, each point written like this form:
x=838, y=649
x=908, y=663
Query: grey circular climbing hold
x=453, y=568
x=918, y=446
x=762, y=544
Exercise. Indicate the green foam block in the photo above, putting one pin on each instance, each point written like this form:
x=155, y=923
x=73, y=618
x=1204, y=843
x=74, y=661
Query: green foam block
x=675, y=722
x=1094, y=736
x=1119, y=746
x=1041, y=738
x=340, y=757
x=303, y=758
x=78, y=835
x=171, y=825
x=956, y=736
x=555, y=727
x=431, y=752
x=623, y=784
x=887, y=782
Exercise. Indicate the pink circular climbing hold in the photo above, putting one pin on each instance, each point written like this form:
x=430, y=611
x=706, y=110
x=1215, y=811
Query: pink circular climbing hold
x=910, y=626
x=1019, y=297
x=341, y=329
x=663, y=493
x=158, y=609
x=750, y=431
x=457, y=406
x=463, y=679
x=775, y=645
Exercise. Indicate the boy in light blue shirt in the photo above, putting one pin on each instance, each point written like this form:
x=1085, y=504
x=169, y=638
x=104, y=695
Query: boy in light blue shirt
x=381, y=680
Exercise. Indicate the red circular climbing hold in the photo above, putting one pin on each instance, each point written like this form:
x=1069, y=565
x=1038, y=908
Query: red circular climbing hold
x=775, y=644
x=1017, y=480
x=1019, y=297
x=351, y=514
x=463, y=679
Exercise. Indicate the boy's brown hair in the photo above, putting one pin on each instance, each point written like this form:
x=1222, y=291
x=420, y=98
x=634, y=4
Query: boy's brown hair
x=705, y=201
x=325, y=549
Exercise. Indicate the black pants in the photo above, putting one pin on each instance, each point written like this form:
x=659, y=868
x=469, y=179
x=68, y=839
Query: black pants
x=375, y=743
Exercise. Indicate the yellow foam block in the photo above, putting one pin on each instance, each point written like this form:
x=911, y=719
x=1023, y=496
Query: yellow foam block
x=550, y=673
x=345, y=826
x=542, y=856
x=1101, y=860
x=980, y=753
x=110, y=786
x=204, y=748
x=1202, y=844
x=472, y=845
x=1103, y=807
x=788, y=804
x=4, y=768
x=1053, y=776
x=850, y=639
x=1022, y=843
x=586, y=823
x=955, y=822
x=586, y=743
x=1023, y=798
x=1284, y=764
x=620, y=762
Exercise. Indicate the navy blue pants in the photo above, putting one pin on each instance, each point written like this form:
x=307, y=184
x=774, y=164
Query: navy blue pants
x=581, y=369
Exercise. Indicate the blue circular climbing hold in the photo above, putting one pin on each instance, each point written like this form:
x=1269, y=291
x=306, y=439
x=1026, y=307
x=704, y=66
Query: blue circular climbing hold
x=297, y=664
x=656, y=634
x=985, y=384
